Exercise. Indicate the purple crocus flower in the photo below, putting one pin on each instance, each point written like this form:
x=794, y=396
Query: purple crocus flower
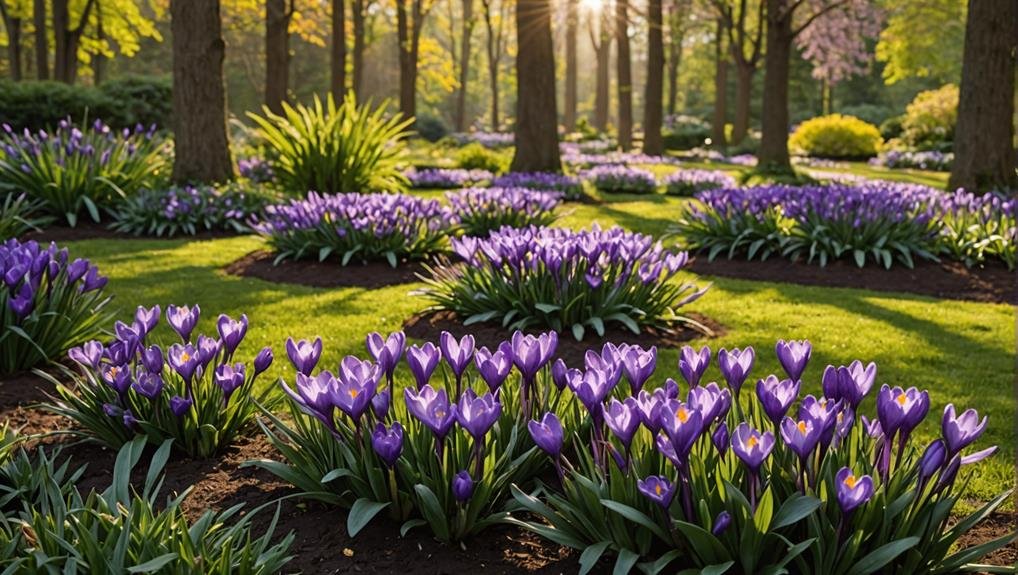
x=531, y=353
x=184, y=360
x=231, y=332
x=388, y=443
x=735, y=366
x=183, y=319
x=852, y=491
x=130, y=422
x=208, y=349
x=314, y=395
x=960, y=431
x=89, y=354
x=431, y=408
x=93, y=281
x=657, y=489
x=152, y=359
x=850, y=384
x=262, y=361
x=561, y=374
x=802, y=436
x=477, y=414
x=608, y=362
x=494, y=367
x=547, y=434
x=457, y=353
x=357, y=382
x=711, y=401
x=948, y=474
x=117, y=377
x=751, y=446
x=380, y=403
x=899, y=409
x=693, y=364
x=823, y=413
x=721, y=439
x=229, y=379
x=648, y=406
x=303, y=354
x=793, y=356
x=638, y=365
x=422, y=361
x=721, y=523
x=387, y=352
x=683, y=426
x=180, y=405
x=932, y=460
x=147, y=319
x=76, y=270
x=623, y=419
x=591, y=387
x=462, y=486
x=149, y=385
x=776, y=396
x=23, y=303
x=979, y=455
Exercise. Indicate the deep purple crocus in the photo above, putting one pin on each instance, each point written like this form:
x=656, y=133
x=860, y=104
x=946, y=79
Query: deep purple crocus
x=960, y=431
x=303, y=354
x=152, y=359
x=263, y=360
x=208, y=348
x=380, y=403
x=477, y=414
x=823, y=413
x=184, y=360
x=623, y=419
x=547, y=434
x=849, y=384
x=852, y=491
x=657, y=489
x=231, y=332
x=638, y=365
x=683, y=426
x=357, y=383
x=720, y=438
x=776, y=396
x=457, y=353
x=431, y=408
x=229, y=379
x=932, y=460
x=494, y=367
x=793, y=356
x=693, y=364
x=183, y=319
x=462, y=486
x=89, y=354
x=314, y=395
x=422, y=361
x=721, y=523
x=180, y=405
x=735, y=366
x=751, y=446
x=899, y=409
x=388, y=443
x=148, y=385
x=801, y=436
x=561, y=374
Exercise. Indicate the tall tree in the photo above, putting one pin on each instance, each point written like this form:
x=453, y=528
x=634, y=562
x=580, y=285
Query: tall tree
x=277, y=52
x=720, y=88
x=984, y=154
x=654, y=87
x=464, y=65
x=743, y=24
x=678, y=12
x=536, y=116
x=600, y=40
x=494, y=23
x=572, y=15
x=201, y=147
x=41, y=40
x=11, y=19
x=337, y=51
x=67, y=32
x=624, y=75
x=410, y=15
x=359, y=44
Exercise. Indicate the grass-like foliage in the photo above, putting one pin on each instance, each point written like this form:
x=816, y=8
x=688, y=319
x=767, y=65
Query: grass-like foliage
x=194, y=392
x=20, y=214
x=482, y=210
x=552, y=278
x=335, y=148
x=189, y=210
x=365, y=227
x=620, y=179
x=724, y=483
x=977, y=229
x=80, y=169
x=47, y=304
x=124, y=530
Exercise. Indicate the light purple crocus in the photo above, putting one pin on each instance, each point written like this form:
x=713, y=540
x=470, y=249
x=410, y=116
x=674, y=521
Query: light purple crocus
x=314, y=395
x=431, y=408
x=183, y=319
x=683, y=424
x=388, y=443
x=149, y=385
x=229, y=379
x=422, y=362
x=735, y=366
x=231, y=332
x=494, y=367
x=457, y=353
x=793, y=356
x=147, y=319
x=357, y=383
x=89, y=354
x=960, y=431
x=751, y=446
x=547, y=434
x=387, y=352
x=303, y=354
x=531, y=353
x=623, y=419
x=711, y=401
x=477, y=414
x=693, y=364
x=801, y=436
x=776, y=396
x=638, y=365
x=849, y=384
x=184, y=360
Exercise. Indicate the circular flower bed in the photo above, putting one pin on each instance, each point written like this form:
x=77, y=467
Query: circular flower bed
x=689, y=182
x=621, y=180
x=482, y=210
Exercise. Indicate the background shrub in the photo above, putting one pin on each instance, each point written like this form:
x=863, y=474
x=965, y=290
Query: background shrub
x=929, y=120
x=476, y=156
x=836, y=136
x=683, y=132
x=431, y=128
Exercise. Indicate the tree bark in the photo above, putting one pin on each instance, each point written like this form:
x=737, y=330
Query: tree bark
x=601, y=43
x=99, y=60
x=464, y=72
x=409, y=21
x=68, y=39
x=337, y=61
x=569, y=118
x=654, y=88
x=623, y=71
x=201, y=148
x=536, y=116
x=41, y=40
x=359, y=42
x=676, y=34
x=743, y=100
x=773, y=152
x=277, y=53
x=739, y=39
x=495, y=40
x=720, y=88
x=984, y=154
x=13, y=27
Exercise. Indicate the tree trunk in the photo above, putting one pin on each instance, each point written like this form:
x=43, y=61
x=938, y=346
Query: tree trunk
x=536, y=116
x=277, y=54
x=984, y=154
x=359, y=41
x=571, y=73
x=773, y=153
x=67, y=40
x=408, y=29
x=337, y=62
x=602, y=53
x=99, y=60
x=13, y=26
x=461, y=93
x=675, y=38
x=41, y=40
x=654, y=89
x=201, y=148
x=743, y=100
x=623, y=71
x=720, y=88
x=494, y=57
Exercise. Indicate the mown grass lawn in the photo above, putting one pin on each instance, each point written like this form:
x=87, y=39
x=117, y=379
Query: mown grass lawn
x=962, y=352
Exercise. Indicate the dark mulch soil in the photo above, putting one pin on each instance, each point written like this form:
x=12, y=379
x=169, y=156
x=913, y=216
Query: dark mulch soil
x=259, y=264
x=948, y=280
x=89, y=230
x=321, y=544
x=429, y=325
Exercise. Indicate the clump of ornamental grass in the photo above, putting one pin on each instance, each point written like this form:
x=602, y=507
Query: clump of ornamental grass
x=447, y=178
x=559, y=279
x=32, y=481
x=482, y=210
x=48, y=303
x=571, y=187
x=194, y=392
x=689, y=182
x=440, y=453
x=620, y=179
x=128, y=530
x=775, y=482
x=188, y=210
x=977, y=229
x=334, y=148
x=84, y=169
x=20, y=214
x=368, y=227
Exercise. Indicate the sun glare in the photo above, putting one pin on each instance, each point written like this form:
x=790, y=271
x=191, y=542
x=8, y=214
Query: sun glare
x=592, y=5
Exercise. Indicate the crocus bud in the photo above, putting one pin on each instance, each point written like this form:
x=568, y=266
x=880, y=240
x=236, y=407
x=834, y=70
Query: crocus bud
x=180, y=405
x=388, y=443
x=380, y=404
x=152, y=358
x=721, y=523
x=462, y=486
x=932, y=460
x=263, y=360
x=547, y=434
x=720, y=438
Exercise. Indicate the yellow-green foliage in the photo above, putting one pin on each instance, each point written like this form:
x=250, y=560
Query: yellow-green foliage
x=930, y=118
x=836, y=136
x=477, y=157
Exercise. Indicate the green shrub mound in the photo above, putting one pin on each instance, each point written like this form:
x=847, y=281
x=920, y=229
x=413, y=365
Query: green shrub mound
x=836, y=136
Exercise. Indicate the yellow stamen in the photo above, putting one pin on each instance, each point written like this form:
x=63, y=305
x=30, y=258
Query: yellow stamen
x=114, y=371
x=802, y=427
x=185, y=356
x=657, y=489
x=850, y=481
x=682, y=414
x=353, y=393
x=900, y=399
x=752, y=442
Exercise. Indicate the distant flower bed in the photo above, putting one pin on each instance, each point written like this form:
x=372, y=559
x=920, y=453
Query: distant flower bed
x=880, y=222
x=940, y=161
x=708, y=155
x=570, y=186
x=365, y=227
x=614, y=179
x=576, y=157
x=486, y=139
x=76, y=170
x=48, y=303
x=689, y=182
x=444, y=178
x=188, y=210
x=482, y=210
x=258, y=170
x=540, y=278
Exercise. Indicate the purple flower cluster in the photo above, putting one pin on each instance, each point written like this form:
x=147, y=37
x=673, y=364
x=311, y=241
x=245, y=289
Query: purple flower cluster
x=486, y=139
x=481, y=210
x=689, y=182
x=29, y=271
x=443, y=178
x=570, y=186
x=931, y=160
x=68, y=142
x=256, y=169
x=621, y=179
x=188, y=210
x=574, y=157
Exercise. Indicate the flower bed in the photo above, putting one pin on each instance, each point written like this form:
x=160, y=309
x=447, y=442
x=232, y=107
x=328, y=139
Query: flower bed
x=370, y=227
x=932, y=160
x=621, y=180
x=443, y=178
x=570, y=186
x=486, y=139
x=256, y=169
x=483, y=210
x=188, y=210
x=689, y=182
x=47, y=303
x=563, y=280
